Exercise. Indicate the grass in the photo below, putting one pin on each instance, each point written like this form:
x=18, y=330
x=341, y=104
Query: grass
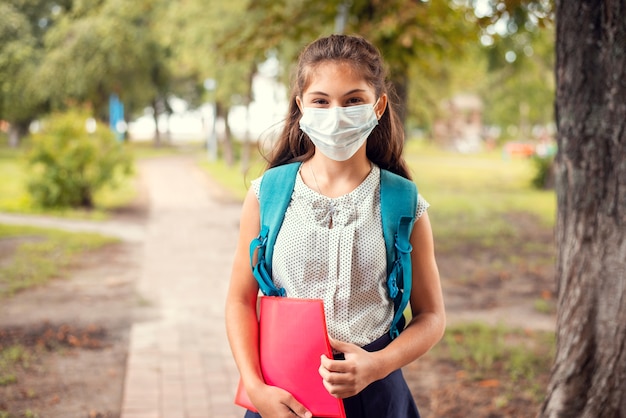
x=232, y=178
x=472, y=194
x=513, y=359
x=12, y=358
x=13, y=177
x=40, y=254
x=466, y=179
x=545, y=305
x=109, y=198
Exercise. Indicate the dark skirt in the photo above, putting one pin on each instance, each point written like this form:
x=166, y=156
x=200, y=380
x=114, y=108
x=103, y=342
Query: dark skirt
x=386, y=398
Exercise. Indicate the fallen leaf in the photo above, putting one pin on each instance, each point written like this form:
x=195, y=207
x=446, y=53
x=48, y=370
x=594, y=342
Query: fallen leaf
x=489, y=383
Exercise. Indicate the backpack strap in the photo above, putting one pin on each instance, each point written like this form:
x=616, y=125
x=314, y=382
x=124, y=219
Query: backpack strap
x=274, y=197
x=398, y=205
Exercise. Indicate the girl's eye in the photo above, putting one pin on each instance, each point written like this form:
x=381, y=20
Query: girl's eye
x=319, y=102
x=354, y=101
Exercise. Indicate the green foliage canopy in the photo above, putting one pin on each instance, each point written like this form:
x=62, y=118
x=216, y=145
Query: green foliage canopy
x=103, y=47
x=19, y=57
x=188, y=32
x=56, y=53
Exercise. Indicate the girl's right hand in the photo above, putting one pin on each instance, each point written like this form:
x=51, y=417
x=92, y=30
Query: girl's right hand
x=274, y=402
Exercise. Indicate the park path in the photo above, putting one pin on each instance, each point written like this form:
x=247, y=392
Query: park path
x=179, y=363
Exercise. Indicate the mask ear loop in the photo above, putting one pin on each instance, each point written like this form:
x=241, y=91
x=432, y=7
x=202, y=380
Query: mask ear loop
x=375, y=112
x=374, y=107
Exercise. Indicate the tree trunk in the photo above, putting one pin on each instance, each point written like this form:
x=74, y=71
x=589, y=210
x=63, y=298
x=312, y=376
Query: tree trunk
x=14, y=137
x=589, y=374
x=245, y=145
x=155, y=117
x=227, y=142
x=400, y=81
x=17, y=131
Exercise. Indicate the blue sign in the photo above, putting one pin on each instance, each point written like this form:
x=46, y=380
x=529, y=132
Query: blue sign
x=116, y=117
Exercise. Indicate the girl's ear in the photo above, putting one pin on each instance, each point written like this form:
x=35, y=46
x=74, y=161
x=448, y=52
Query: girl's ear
x=380, y=106
x=299, y=103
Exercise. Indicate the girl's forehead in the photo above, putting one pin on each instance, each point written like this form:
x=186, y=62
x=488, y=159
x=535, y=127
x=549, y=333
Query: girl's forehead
x=330, y=74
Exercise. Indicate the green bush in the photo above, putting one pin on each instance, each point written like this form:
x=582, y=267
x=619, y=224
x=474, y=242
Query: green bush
x=69, y=163
x=544, y=172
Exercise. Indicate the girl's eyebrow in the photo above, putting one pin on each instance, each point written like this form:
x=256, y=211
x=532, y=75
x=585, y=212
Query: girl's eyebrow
x=317, y=93
x=321, y=93
x=355, y=91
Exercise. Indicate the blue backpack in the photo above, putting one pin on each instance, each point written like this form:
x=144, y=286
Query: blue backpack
x=398, y=199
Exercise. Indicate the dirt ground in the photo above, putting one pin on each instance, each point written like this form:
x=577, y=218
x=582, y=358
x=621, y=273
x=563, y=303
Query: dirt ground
x=75, y=331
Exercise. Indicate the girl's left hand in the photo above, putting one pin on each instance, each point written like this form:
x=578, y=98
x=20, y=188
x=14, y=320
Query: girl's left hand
x=345, y=378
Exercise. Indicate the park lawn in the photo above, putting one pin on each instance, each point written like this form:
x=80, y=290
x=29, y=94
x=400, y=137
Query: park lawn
x=233, y=178
x=477, y=197
x=13, y=192
x=479, y=184
x=490, y=370
x=31, y=256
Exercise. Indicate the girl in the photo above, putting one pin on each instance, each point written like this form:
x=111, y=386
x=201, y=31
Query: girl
x=342, y=126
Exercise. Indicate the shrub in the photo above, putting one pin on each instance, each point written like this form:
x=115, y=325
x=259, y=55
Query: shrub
x=544, y=172
x=69, y=164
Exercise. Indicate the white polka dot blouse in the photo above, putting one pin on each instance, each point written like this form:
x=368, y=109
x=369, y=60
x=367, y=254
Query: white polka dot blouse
x=333, y=249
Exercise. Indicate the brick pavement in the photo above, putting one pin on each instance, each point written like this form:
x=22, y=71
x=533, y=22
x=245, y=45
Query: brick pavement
x=179, y=363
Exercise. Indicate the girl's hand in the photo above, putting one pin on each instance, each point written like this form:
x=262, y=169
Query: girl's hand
x=275, y=402
x=345, y=378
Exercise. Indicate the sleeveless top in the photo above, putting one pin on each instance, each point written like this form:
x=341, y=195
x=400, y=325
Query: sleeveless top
x=333, y=249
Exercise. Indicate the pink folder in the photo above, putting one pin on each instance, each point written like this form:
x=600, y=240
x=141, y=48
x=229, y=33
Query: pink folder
x=293, y=336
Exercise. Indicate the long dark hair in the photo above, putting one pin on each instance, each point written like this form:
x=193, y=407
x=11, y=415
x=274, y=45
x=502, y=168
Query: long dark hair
x=385, y=143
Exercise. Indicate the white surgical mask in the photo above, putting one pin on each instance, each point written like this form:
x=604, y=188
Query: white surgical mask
x=339, y=132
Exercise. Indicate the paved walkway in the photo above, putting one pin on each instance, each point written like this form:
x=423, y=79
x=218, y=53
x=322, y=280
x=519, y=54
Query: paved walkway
x=179, y=364
x=123, y=230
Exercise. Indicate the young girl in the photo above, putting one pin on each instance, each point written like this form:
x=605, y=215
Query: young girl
x=342, y=126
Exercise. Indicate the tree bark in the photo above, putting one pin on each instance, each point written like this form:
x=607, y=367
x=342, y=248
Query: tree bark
x=17, y=130
x=589, y=375
x=400, y=82
x=155, y=117
x=227, y=142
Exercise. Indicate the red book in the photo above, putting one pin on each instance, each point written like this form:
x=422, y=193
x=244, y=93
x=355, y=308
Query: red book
x=292, y=338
